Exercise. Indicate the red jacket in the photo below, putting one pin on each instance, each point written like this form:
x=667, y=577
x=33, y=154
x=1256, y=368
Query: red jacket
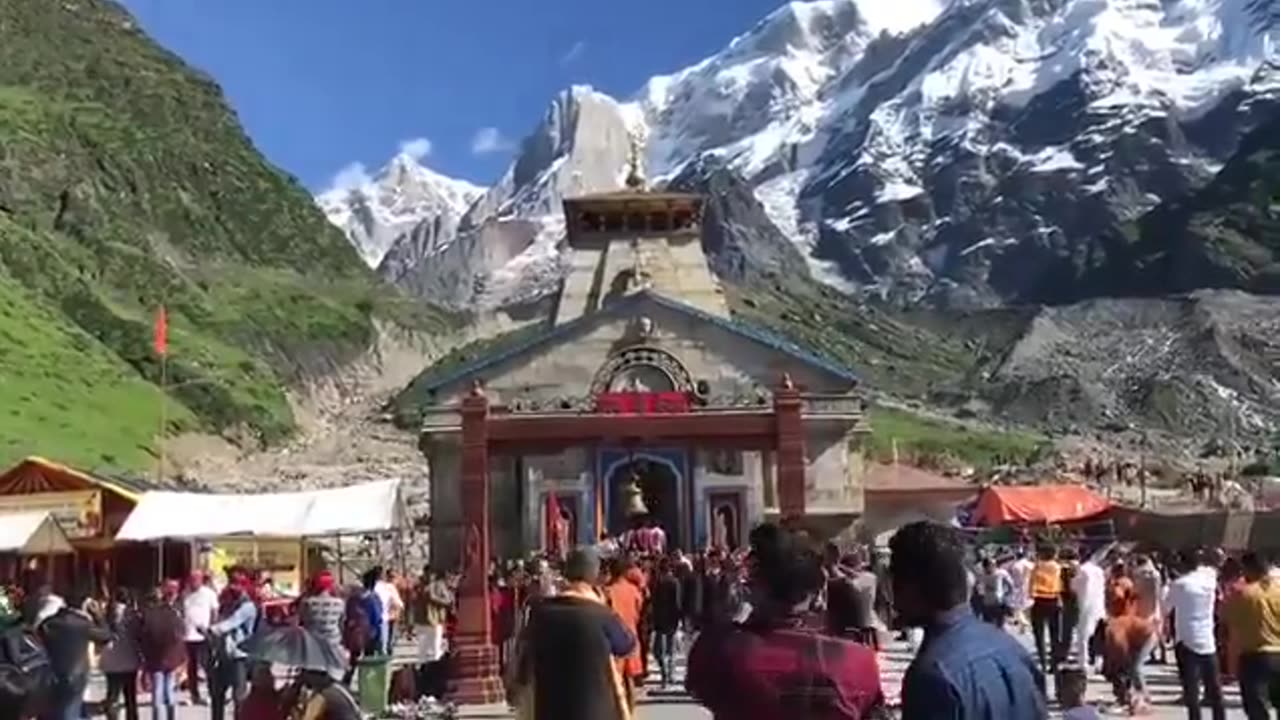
x=763, y=671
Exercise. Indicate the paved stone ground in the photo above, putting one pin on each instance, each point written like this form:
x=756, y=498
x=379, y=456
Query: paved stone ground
x=674, y=704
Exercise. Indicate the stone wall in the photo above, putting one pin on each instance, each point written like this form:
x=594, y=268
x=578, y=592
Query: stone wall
x=444, y=459
x=835, y=470
x=710, y=480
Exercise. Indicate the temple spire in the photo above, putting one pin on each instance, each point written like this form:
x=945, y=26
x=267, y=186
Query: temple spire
x=635, y=173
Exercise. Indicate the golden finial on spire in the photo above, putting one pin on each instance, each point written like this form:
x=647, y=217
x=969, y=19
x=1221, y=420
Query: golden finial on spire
x=635, y=173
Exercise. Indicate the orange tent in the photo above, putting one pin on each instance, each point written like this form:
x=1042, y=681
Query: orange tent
x=1038, y=504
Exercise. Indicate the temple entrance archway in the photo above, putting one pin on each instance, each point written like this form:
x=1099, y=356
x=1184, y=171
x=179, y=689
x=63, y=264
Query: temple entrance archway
x=660, y=484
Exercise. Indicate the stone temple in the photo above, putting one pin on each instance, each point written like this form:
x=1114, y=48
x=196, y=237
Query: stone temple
x=641, y=394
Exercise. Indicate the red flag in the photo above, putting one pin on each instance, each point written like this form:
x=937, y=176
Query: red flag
x=161, y=339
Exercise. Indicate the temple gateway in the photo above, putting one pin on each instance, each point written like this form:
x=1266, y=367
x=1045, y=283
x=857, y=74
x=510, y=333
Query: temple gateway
x=641, y=400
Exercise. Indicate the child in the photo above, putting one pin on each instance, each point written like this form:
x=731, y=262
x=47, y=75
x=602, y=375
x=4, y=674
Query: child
x=1074, y=683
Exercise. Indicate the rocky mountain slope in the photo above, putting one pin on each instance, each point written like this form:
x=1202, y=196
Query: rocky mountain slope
x=1223, y=235
x=967, y=154
x=126, y=183
x=1182, y=374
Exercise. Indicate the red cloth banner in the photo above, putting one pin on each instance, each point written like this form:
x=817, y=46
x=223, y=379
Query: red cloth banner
x=642, y=403
x=161, y=337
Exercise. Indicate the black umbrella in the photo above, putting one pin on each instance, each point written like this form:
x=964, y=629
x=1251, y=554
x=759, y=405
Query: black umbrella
x=295, y=646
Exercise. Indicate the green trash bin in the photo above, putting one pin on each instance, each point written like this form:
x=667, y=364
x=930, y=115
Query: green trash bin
x=371, y=683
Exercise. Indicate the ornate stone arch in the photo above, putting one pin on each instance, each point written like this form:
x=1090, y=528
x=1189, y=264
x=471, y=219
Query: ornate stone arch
x=642, y=356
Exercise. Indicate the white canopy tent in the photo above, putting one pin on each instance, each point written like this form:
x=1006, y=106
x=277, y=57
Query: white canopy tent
x=366, y=508
x=35, y=533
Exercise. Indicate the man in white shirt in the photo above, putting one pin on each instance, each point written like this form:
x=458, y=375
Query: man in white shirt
x=996, y=589
x=1192, y=598
x=199, y=611
x=1090, y=588
x=392, y=607
x=1020, y=573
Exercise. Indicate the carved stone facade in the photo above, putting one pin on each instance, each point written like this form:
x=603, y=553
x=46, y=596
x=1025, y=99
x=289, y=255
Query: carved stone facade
x=717, y=494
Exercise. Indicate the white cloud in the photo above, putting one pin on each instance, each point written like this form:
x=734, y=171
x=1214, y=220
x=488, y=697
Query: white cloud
x=490, y=140
x=573, y=53
x=351, y=176
x=416, y=148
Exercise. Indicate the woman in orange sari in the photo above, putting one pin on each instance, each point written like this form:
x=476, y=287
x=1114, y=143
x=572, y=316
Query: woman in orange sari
x=1126, y=643
x=625, y=594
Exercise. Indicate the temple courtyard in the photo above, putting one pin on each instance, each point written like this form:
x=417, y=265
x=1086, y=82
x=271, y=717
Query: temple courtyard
x=676, y=705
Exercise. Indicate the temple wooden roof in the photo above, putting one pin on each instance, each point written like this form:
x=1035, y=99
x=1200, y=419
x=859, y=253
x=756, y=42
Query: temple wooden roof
x=631, y=199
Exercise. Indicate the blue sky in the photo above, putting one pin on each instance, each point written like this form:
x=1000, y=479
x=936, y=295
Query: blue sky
x=320, y=84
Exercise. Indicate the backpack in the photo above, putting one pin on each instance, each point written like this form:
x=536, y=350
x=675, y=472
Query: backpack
x=26, y=677
x=357, y=632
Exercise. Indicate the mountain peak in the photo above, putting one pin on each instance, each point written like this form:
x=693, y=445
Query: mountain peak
x=377, y=210
x=953, y=150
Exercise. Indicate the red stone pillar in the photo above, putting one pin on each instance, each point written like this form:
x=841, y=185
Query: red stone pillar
x=476, y=678
x=790, y=453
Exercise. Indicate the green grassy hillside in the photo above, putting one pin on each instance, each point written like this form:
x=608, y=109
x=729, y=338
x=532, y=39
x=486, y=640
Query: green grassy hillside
x=127, y=182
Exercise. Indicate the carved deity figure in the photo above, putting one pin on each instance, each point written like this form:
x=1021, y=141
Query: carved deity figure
x=472, y=561
x=721, y=528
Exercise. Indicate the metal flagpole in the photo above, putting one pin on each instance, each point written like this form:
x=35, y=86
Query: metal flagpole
x=164, y=381
x=161, y=340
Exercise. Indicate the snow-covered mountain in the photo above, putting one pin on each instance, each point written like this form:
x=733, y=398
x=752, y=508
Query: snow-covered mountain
x=971, y=153
x=375, y=211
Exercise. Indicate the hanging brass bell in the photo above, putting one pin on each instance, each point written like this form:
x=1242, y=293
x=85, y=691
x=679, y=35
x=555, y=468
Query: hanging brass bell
x=633, y=498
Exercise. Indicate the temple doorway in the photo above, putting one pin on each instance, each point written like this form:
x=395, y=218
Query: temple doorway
x=659, y=495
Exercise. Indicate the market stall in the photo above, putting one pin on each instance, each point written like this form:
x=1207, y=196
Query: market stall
x=246, y=529
x=89, y=508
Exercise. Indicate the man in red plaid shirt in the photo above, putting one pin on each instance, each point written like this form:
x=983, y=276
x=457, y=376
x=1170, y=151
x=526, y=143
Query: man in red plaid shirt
x=774, y=666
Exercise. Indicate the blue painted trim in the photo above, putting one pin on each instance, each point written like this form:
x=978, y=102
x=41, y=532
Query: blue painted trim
x=750, y=332
x=701, y=532
x=592, y=532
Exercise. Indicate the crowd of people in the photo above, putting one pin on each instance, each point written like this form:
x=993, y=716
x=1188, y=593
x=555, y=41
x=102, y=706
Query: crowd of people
x=147, y=640
x=1119, y=612
x=783, y=628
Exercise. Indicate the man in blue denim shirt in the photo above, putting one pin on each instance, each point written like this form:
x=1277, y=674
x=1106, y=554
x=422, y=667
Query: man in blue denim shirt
x=966, y=669
x=229, y=669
